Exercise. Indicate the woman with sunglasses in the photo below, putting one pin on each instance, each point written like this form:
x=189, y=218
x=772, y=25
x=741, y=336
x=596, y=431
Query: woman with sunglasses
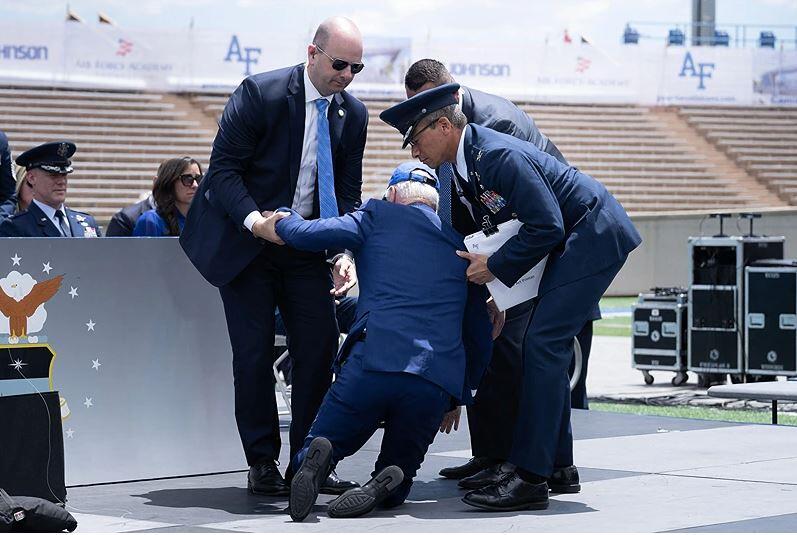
x=173, y=191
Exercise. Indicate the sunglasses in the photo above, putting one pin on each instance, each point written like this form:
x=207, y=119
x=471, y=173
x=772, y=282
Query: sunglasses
x=417, y=134
x=339, y=64
x=188, y=180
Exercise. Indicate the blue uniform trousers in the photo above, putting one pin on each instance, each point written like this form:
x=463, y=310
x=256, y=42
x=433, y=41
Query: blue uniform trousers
x=411, y=407
x=543, y=438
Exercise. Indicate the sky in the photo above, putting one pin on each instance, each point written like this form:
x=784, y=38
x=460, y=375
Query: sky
x=600, y=21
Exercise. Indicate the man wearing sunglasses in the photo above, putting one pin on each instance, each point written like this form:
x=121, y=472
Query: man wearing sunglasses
x=48, y=166
x=290, y=137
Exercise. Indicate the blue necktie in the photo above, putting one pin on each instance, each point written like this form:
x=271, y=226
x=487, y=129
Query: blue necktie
x=445, y=174
x=326, y=177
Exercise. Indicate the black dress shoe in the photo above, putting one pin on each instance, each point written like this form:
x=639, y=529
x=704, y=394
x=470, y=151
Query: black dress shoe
x=335, y=485
x=489, y=476
x=475, y=465
x=307, y=480
x=362, y=500
x=511, y=494
x=265, y=479
x=564, y=480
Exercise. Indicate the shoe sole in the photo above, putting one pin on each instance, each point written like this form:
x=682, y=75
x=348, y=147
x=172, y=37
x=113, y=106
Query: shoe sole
x=565, y=489
x=357, y=502
x=522, y=507
x=305, y=485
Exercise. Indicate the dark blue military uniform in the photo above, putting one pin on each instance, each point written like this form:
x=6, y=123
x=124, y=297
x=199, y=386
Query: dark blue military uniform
x=492, y=417
x=33, y=223
x=396, y=365
x=586, y=233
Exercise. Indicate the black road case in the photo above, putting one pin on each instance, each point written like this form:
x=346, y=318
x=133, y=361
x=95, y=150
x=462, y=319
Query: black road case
x=659, y=333
x=771, y=323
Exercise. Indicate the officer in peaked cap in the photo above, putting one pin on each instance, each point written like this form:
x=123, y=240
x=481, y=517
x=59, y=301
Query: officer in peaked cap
x=406, y=115
x=47, y=168
x=567, y=217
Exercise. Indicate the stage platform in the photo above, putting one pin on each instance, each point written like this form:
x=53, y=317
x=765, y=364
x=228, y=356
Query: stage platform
x=639, y=474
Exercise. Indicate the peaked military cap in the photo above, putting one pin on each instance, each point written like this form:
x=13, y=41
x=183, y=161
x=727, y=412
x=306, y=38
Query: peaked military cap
x=415, y=171
x=404, y=116
x=53, y=157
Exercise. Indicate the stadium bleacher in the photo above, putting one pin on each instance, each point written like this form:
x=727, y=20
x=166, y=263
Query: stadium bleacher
x=653, y=159
x=761, y=140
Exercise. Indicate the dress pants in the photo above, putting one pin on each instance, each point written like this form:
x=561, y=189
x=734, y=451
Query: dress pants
x=299, y=283
x=491, y=418
x=411, y=407
x=543, y=437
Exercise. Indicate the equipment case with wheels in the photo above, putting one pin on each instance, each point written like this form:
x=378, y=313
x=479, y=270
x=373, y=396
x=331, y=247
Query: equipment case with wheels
x=659, y=333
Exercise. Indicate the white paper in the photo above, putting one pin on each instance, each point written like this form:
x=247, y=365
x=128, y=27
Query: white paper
x=527, y=286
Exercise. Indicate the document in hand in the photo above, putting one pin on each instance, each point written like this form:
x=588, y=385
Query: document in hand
x=527, y=286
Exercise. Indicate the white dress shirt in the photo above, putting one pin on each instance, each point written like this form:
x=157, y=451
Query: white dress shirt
x=308, y=170
x=49, y=211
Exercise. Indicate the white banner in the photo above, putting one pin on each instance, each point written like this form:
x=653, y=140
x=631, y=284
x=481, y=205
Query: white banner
x=101, y=55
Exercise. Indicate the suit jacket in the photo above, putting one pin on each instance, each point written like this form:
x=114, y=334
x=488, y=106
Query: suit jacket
x=565, y=213
x=501, y=115
x=418, y=311
x=254, y=165
x=123, y=221
x=8, y=184
x=33, y=223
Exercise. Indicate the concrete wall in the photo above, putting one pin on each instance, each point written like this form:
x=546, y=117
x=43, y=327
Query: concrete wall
x=662, y=259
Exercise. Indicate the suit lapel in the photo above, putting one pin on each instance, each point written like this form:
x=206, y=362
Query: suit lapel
x=46, y=227
x=337, y=118
x=296, y=119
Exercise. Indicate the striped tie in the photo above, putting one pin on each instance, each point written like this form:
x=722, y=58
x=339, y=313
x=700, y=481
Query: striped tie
x=445, y=174
x=326, y=177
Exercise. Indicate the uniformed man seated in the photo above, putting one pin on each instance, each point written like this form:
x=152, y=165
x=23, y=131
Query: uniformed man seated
x=47, y=168
x=421, y=339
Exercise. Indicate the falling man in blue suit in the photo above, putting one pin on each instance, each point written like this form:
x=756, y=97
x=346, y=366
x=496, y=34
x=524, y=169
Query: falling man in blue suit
x=396, y=365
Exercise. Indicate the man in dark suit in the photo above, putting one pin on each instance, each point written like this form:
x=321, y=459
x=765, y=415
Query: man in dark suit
x=47, y=168
x=567, y=216
x=290, y=137
x=491, y=418
x=395, y=366
x=123, y=221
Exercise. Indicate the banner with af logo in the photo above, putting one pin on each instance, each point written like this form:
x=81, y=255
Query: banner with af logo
x=136, y=344
x=705, y=76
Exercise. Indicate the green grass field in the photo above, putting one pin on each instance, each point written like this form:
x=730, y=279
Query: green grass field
x=614, y=326
x=763, y=416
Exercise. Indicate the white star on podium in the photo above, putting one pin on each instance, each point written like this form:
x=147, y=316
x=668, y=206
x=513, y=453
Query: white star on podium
x=90, y=325
x=16, y=258
x=70, y=433
x=73, y=292
x=96, y=364
x=88, y=403
x=47, y=268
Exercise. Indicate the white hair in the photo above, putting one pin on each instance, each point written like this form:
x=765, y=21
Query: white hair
x=411, y=191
